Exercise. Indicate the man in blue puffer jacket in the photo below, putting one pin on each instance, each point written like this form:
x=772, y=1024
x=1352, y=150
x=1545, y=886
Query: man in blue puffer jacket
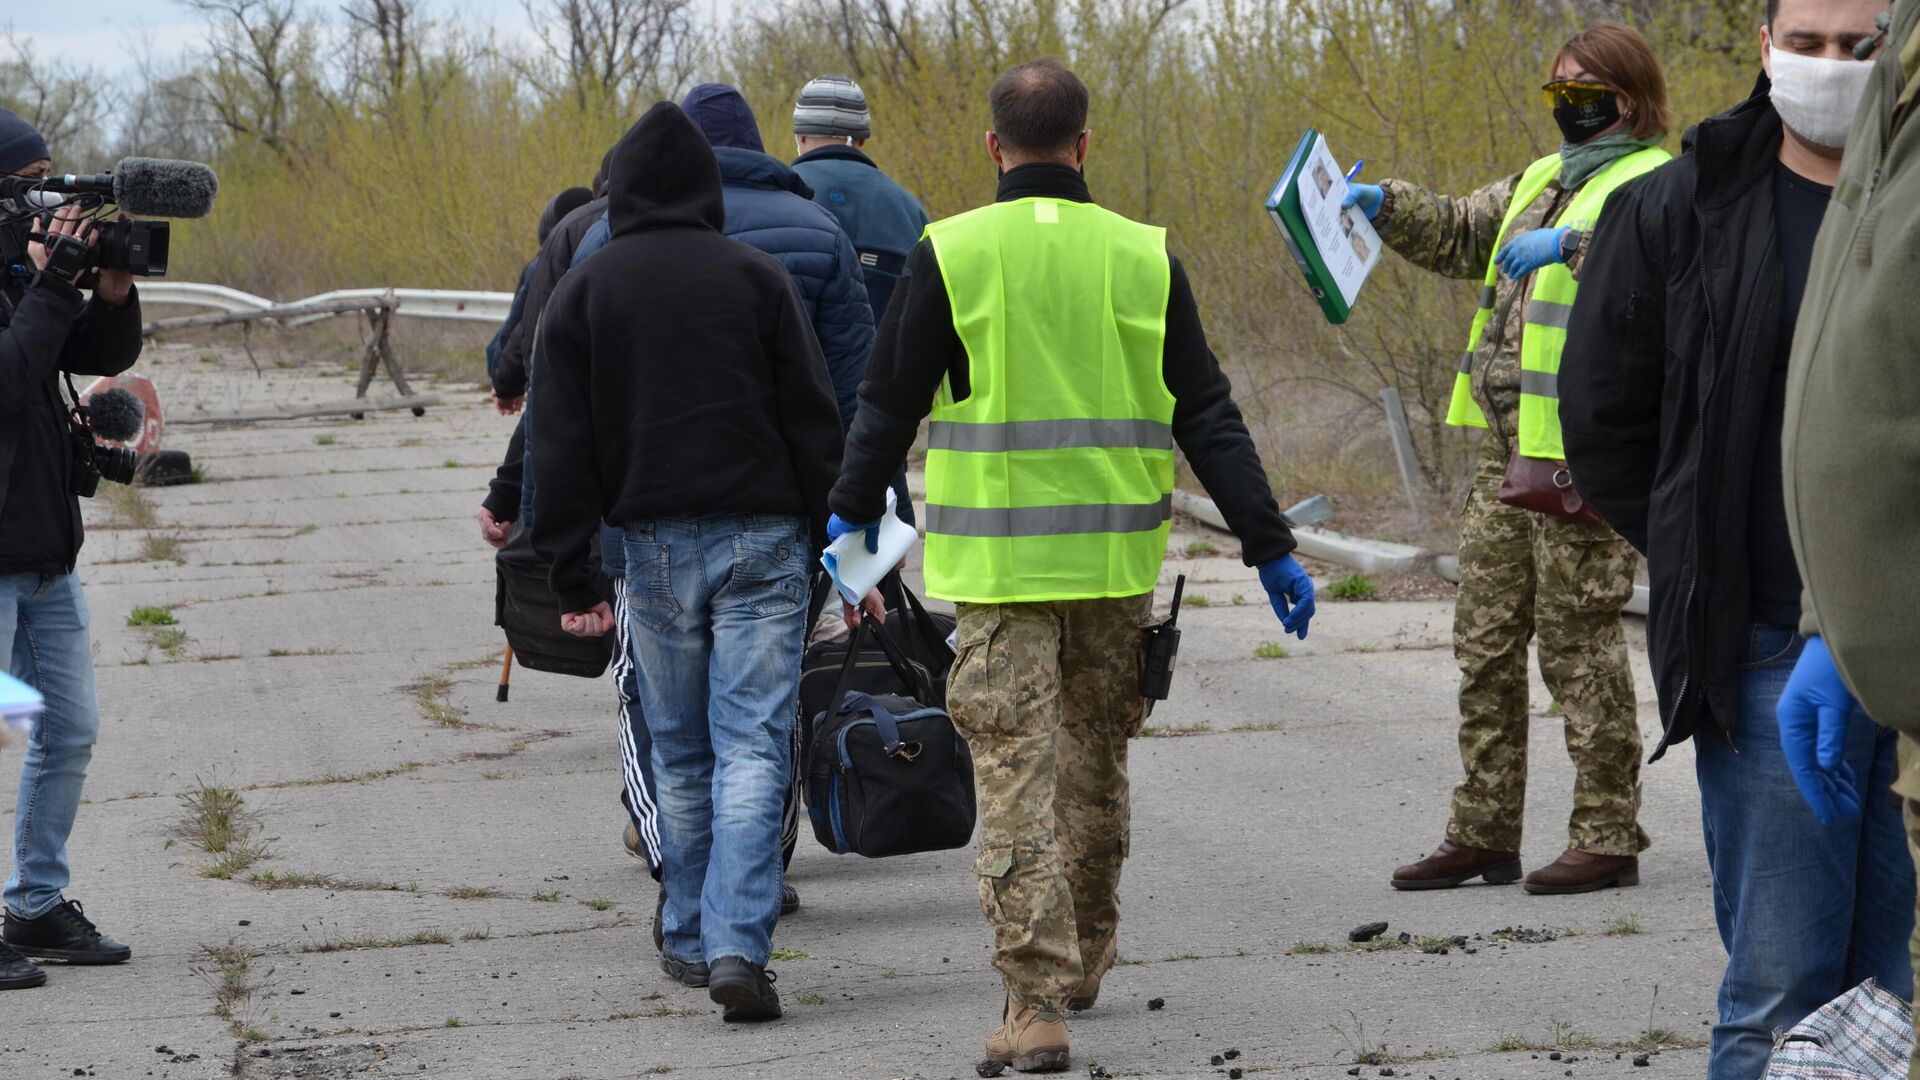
x=769, y=207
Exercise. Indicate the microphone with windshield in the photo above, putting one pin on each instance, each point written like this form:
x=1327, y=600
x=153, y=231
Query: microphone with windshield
x=145, y=187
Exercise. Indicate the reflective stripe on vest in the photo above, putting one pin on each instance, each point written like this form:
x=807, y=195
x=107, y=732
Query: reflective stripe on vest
x=1053, y=479
x=1549, y=310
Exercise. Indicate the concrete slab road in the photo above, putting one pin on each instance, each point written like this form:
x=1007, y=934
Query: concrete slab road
x=335, y=855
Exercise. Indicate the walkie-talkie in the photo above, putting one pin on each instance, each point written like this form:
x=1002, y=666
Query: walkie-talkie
x=1163, y=646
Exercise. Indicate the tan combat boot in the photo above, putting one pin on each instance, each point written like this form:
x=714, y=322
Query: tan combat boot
x=1088, y=992
x=1030, y=1040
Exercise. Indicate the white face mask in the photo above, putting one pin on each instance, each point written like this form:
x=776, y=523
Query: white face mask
x=1817, y=97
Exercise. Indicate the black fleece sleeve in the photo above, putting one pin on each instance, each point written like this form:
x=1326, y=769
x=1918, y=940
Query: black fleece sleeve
x=1613, y=369
x=808, y=415
x=34, y=343
x=106, y=340
x=556, y=255
x=915, y=348
x=1209, y=429
x=503, y=491
x=567, y=496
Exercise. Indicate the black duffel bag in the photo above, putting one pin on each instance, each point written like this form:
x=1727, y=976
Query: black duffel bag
x=527, y=608
x=921, y=637
x=887, y=774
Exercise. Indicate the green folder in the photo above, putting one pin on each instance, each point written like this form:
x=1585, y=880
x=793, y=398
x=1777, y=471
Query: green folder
x=1290, y=216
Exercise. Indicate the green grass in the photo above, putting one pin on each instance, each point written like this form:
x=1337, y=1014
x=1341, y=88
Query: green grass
x=548, y=897
x=790, y=954
x=1198, y=548
x=217, y=822
x=809, y=998
x=209, y=358
x=449, y=464
x=1624, y=926
x=451, y=1021
x=1239, y=601
x=325, y=440
x=1197, y=600
x=198, y=474
x=230, y=968
x=432, y=695
x=1151, y=732
x=151, y=616
x=598, y=903
x=1270, y=650
x=415, y=440
x=1309, y=948
x=1353, y=587
x=473, y=892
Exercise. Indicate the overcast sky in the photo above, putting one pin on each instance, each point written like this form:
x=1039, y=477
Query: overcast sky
x=106, y=34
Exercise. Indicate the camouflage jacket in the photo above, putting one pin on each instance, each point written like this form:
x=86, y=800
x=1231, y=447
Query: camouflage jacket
x=1457, y=236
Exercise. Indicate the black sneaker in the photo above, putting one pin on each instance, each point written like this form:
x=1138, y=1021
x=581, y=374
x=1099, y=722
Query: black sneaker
x=789, y=900
x=17, y=972
x=63, y=933
x=744, y=990
x=687, y=973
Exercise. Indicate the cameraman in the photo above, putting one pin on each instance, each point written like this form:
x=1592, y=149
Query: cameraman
x=47, y=328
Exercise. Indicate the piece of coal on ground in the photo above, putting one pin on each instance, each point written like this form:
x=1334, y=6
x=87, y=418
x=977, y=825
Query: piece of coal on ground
x=1156, y=1004
x=1366, y=932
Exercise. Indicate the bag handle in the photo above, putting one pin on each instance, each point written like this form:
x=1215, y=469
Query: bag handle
x=914, y=613
x=886, y=723
x=901, y=667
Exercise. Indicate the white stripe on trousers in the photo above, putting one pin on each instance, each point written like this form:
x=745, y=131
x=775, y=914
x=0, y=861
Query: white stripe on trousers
x=639, y=800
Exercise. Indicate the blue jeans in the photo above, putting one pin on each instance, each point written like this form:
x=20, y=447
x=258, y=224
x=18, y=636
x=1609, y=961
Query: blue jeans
x=714, y=614
x=43, y=630
x=1806, y=912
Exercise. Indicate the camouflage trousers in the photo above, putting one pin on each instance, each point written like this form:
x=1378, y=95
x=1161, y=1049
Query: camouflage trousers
x=1524, y=575
x=1047, y=696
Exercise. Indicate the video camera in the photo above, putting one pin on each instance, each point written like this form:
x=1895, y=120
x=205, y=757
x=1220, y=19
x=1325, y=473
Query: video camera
x=148, y=187
x=111, y=415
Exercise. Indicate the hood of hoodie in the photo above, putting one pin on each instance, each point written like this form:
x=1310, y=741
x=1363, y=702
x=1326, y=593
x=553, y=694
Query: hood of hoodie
x=663, y=176
x=751, y=168
x=1736, y=149
x=724, y=116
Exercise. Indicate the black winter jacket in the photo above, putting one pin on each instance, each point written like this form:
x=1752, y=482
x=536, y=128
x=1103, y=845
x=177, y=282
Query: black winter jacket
x=49, y=328
x=542, y=277
x=918, y=347
x=1662, y=389
x=678, y=373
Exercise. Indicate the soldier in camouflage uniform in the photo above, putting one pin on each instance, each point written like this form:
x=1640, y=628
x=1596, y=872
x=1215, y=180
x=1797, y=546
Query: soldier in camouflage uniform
x=1524, y=574
x=1059, y=352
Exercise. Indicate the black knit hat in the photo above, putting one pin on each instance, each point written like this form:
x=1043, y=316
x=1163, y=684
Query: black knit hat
x=833, y=106
x=20, y=144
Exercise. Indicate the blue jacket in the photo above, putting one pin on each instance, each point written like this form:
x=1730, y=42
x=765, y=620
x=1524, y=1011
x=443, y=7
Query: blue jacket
x=515, y=311
x=882, y=218
x=768, y=208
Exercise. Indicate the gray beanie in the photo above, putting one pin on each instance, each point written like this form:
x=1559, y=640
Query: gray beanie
x=833, y=106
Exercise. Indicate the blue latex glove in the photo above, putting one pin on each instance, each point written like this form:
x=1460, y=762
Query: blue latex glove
x=1814, y=712
x=1530, y=251
x=1288, y=585
x=838, y=527
x=1368, y=197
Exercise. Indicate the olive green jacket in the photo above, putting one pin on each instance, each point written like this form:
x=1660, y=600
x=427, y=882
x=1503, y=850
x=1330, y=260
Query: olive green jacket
x=1852, y=438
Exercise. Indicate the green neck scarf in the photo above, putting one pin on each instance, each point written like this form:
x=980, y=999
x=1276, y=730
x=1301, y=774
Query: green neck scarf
x=1579, y=163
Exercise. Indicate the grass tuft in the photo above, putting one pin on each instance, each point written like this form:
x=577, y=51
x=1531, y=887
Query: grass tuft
x=1624, y=926
x=172, y=641
x=433, y=696
x=1354, y=587
x=1199, y=548
x=473, y=892
x=1309, y=948
x=790, y=954
x=151, y=616
x=356, y=944
x=218, y=823
x=1270, y=650
x=230, y=968
x=598, y=903
x=325, y=440
x=162, y=547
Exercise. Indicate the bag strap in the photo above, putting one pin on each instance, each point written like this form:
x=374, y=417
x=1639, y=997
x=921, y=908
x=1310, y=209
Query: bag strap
x=841, y=699
x=884, y=721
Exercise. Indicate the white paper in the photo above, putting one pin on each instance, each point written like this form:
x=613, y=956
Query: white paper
x=855, y=570
x=1345, y=237
x=19, y=703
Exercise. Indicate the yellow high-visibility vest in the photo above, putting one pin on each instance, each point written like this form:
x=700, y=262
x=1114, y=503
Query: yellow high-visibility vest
x=1053, y=479
x=1544, y=334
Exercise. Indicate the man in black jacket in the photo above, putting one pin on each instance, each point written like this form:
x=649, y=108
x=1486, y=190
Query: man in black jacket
x=50, y=330
x=701, y=423
x=1673, y=386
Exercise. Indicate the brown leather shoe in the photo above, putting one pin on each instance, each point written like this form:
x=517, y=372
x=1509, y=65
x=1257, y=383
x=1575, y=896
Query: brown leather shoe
x=1030, y=1040
x=1088, y=992
x=1454, y=864
x=1577, y=871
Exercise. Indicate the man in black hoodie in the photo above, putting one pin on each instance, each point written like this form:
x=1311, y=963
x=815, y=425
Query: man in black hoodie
x=1673, y=387
x=702, y=424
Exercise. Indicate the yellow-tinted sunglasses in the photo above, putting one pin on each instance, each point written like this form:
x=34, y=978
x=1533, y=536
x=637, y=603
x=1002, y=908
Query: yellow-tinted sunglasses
x=1578, y=93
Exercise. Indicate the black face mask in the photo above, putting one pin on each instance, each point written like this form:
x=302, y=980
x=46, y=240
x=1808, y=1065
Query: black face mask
x=1578, y=123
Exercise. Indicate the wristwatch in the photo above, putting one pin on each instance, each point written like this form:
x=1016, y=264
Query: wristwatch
x=1570, y=243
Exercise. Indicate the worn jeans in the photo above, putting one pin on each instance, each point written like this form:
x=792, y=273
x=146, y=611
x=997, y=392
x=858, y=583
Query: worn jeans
x=1806, y=911
x=43, y=632
x=714, y=612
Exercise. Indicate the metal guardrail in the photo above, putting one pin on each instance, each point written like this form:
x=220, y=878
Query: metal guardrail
x=445, y=304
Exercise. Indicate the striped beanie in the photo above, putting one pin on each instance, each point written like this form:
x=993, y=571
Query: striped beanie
x=833, y=106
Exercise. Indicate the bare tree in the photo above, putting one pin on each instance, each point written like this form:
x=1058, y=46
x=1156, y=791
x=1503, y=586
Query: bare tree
x=623, y=50
x=259, y=59
x=66, y=104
